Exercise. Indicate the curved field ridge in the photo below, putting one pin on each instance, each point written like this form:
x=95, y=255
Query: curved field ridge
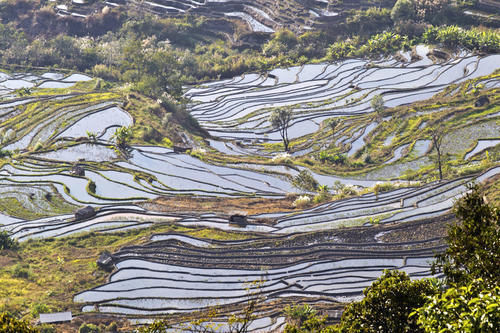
x=401, y=205
x=404, y=204
x=239, y=108
x=176, y=273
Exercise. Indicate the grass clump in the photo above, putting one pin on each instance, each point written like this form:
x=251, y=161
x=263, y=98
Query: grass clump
x=21, y=271
x=39, y=308
x=89, y=328
x=302, y=201
x=323, y=195
x=282, y=158
x=343, y=190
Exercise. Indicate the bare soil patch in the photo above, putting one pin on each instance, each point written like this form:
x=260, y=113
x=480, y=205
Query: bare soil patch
x=248, y=206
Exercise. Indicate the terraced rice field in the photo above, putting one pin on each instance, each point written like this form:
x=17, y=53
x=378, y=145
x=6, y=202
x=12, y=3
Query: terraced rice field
x=59, y=131
x=175, y=274
x=240, y=108
x=259, y=15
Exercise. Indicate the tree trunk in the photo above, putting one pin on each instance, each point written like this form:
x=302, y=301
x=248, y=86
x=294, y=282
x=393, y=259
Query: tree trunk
x=439, y=163
x=437, y=139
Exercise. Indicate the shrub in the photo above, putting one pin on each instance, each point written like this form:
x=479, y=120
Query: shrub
x=151, y=134
x=383, y=187
x=341, y=50
x=472, y=39
x=338, y=159
x=158, y=326
x=322, y=197
x=368, y=21
x=403, y=10
x=302, y=201
x=91, y=187
x=282, y=158
x=323, y=194
x=106, y=72
x=38, y=145
x=39, y=308
x=305, y=181
x=377, y=103
x=92, y=136
x=112, y=327
x=383, y=43
x=88, y=328
x=21, y=271
x=343, y=190
x=10, y=324
x=46, y=328
x=122, y=136
x=282, y=42
x=7, y=242
x=303, y=318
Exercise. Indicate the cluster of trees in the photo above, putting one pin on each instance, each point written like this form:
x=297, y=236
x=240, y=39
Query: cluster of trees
x=473, y=39
x=432, y=11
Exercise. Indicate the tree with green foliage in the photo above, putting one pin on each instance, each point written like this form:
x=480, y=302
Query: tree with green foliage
x=403, y=10
x=470, y=308
x=387, y=304
x=282, y=42
x=377, y=104
x=280, y=119
x=10, y=324
x=473, y=242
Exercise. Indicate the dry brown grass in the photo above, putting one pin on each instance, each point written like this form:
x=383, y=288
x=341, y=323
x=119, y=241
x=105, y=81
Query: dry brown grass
x=221, y=205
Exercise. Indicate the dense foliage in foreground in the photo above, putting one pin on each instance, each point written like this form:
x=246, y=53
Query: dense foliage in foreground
x=474, y=243
x=9, y=324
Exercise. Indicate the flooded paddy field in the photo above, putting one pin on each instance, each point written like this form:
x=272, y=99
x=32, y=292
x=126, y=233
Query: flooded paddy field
x=60, y=153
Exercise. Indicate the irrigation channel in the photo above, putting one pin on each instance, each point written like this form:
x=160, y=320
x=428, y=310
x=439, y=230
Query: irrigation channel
x=305, y=255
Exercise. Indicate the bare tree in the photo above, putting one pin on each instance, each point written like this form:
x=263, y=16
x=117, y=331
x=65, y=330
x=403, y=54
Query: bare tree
x=280, y=119
x=437, y=135
x=237, y=322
